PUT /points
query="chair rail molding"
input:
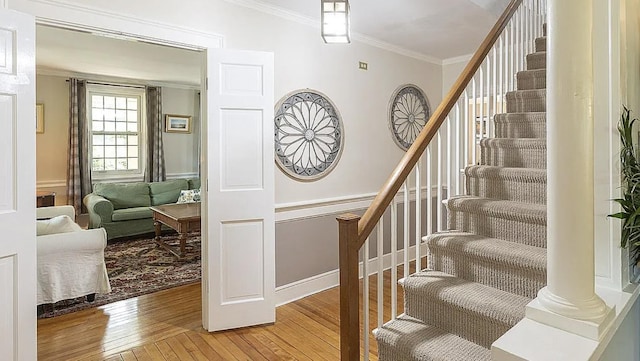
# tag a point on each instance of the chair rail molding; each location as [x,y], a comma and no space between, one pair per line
[55,183]
[294,211]
[74,15]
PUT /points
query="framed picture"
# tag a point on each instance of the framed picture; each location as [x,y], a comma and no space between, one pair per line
[177,123]
[39,118]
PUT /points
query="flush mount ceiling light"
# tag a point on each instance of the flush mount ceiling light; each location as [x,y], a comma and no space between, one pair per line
[335,21]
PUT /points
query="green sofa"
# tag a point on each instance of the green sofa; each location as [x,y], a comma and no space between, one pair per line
[122,209]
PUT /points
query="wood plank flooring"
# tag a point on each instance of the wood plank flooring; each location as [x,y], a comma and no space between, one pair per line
[167,326]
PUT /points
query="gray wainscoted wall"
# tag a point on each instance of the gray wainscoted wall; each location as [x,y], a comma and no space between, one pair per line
[308,247]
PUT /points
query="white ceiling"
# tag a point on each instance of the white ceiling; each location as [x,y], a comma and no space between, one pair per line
[65,51]
[434,29]
[438,29]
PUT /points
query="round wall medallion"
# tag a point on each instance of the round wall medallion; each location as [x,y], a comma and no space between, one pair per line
[408,114]
[308,134]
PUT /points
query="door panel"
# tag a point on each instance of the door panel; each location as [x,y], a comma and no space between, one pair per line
[240,228]
[17,187]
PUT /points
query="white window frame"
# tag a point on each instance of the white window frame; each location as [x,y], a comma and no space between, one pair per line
[127,91]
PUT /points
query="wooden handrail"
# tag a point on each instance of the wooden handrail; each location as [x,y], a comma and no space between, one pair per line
[413,154]
[353,230]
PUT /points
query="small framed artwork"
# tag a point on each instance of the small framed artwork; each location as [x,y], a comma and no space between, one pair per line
[39,118]
[177,123]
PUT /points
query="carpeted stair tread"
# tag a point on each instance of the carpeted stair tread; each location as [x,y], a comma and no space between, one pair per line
[532,100]
[514,152]
[537,60]
[409,339]
[529,213]
[508,220]
[527,185]
[509,266]
[532,79]
[521,125]
[541,43]
[471,310]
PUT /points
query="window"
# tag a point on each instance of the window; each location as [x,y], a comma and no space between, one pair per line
[115,115]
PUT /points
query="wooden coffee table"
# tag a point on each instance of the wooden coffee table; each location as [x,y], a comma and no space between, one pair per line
[184,218]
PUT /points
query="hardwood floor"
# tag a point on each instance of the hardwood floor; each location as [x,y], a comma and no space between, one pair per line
[167,326]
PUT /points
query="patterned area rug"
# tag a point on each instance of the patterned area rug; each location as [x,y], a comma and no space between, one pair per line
[136,266]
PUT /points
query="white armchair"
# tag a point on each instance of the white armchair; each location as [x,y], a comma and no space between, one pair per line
[70,264]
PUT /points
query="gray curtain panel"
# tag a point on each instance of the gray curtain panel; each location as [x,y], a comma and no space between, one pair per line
[78,167]
[154,169]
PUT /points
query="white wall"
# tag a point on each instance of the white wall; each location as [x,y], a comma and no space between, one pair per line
[302,60]
[52,145]
[181,151]
[450,72]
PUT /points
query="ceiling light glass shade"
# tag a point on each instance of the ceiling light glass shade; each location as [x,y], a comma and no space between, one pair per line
[335,21]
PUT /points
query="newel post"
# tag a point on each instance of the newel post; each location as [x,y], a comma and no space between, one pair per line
[349,288]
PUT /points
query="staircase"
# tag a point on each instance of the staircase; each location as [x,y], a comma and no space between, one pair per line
[483,271]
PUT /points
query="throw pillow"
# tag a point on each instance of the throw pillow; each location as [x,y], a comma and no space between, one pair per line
[189,196]
[59,224]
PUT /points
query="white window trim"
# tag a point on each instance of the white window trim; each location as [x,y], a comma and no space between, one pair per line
[121,175]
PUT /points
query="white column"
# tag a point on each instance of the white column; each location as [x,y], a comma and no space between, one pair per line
[570,287]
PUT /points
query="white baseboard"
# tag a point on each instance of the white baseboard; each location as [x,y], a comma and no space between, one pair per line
[300,289]
[306,287]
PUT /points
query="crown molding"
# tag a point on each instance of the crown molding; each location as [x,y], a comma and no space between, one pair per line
[44,10]
[304,20]
[41,70]
[457,59]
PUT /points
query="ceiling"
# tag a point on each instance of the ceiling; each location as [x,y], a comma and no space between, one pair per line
[65,52]
[439,29]
[433,29]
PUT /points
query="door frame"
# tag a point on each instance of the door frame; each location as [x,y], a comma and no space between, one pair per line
[83,18]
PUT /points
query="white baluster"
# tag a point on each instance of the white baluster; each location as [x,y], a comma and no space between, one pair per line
[380,276]
[473,119]
[439,190]
[482,108]
[405,206]
[365,297]
[394,261]
[418,220]
[458,136]
[429,190]
[494,91]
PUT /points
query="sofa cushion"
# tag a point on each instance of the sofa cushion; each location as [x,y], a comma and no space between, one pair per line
[194,183]
[59,224]
[167,191]
[124,195]
[131,213]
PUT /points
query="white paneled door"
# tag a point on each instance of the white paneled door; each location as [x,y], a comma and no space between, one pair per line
[17,187]
[240,223]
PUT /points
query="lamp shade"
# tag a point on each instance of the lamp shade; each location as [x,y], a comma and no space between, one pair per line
[335,21]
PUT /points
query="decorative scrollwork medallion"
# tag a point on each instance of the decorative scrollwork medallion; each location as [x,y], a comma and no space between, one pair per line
[408,114]
[308,135]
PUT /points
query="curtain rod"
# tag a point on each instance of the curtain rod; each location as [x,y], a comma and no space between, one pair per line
[114,84]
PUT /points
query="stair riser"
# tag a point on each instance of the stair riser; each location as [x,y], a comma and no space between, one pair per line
[519,104]
[524,282]
[529,80]
[514,157]
[467,325]
[521,130]
[541,44]
[537,61]
[495,227]
[507,189]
